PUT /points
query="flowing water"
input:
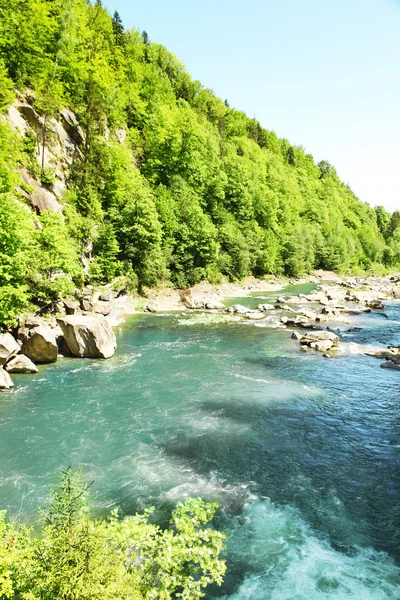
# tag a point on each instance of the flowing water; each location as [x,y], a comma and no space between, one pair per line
[301,452]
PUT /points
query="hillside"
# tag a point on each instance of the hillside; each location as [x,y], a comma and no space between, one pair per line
[113,161]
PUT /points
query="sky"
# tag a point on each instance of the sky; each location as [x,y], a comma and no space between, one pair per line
[323,74]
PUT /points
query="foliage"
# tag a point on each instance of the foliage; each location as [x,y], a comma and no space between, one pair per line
[167,181]
[76,557]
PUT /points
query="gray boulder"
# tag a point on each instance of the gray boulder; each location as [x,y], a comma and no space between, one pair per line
[88,336]
[5,380]
[9,347]
[21,364]
[41,345]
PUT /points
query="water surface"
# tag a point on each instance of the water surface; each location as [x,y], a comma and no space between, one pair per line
[301,452]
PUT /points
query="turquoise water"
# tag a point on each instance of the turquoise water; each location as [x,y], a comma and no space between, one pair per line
[301,452]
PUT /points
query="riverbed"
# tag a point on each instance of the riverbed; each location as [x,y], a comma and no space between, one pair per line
[301,452]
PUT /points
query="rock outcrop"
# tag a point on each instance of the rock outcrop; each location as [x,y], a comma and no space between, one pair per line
[88,336]
[9,347]
[5,380]
[21,364]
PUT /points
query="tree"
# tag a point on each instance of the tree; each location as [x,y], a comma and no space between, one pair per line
[76,557]
[145,37]
[118,29]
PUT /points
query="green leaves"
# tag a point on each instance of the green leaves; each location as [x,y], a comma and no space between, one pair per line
[76,557]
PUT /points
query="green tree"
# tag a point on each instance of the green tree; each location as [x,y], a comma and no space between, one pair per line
[76,557]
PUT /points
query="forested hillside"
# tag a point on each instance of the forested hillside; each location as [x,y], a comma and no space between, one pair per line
[166,181]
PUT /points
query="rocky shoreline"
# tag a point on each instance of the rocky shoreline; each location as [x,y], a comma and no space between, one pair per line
[84,328]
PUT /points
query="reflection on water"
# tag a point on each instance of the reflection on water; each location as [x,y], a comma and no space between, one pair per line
[302,453]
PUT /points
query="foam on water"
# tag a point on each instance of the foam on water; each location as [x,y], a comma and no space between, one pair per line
[289,561]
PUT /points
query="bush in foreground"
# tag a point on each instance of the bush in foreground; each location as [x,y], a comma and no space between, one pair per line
[76,557]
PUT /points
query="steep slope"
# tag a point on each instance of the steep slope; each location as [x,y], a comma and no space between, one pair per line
[139,170]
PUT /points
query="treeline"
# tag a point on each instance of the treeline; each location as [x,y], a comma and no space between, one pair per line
[170,183]
[72,556]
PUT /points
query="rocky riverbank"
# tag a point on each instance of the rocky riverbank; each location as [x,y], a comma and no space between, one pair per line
[83,327]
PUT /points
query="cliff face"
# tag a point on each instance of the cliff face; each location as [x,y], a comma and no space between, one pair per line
[57,143]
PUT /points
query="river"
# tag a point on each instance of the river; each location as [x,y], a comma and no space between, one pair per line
[302,453]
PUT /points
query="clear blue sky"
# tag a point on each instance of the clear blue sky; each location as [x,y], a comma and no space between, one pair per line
[324,74]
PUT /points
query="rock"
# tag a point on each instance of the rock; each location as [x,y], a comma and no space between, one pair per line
[255,315]
[106,296]
[394,349]
[88,336]
[381,353]
[41,345]
[87,305]
[281,300]
[9,347]
[321,345]
[230,309]
[327,355]
[40,198]
[296,335]
[21,364]
[72,127]
[102,308]
[215,305]
[357,312]
[320,340]
[297,322]
[70,306]
[390,365]
[5,380]
[375,304]
[151,307]
[311,316]
[265,307]
[240,309]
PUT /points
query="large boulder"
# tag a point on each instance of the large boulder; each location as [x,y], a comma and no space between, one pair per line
[21,364]
[88,336]
[5,380]
[9,347]
[41,345]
